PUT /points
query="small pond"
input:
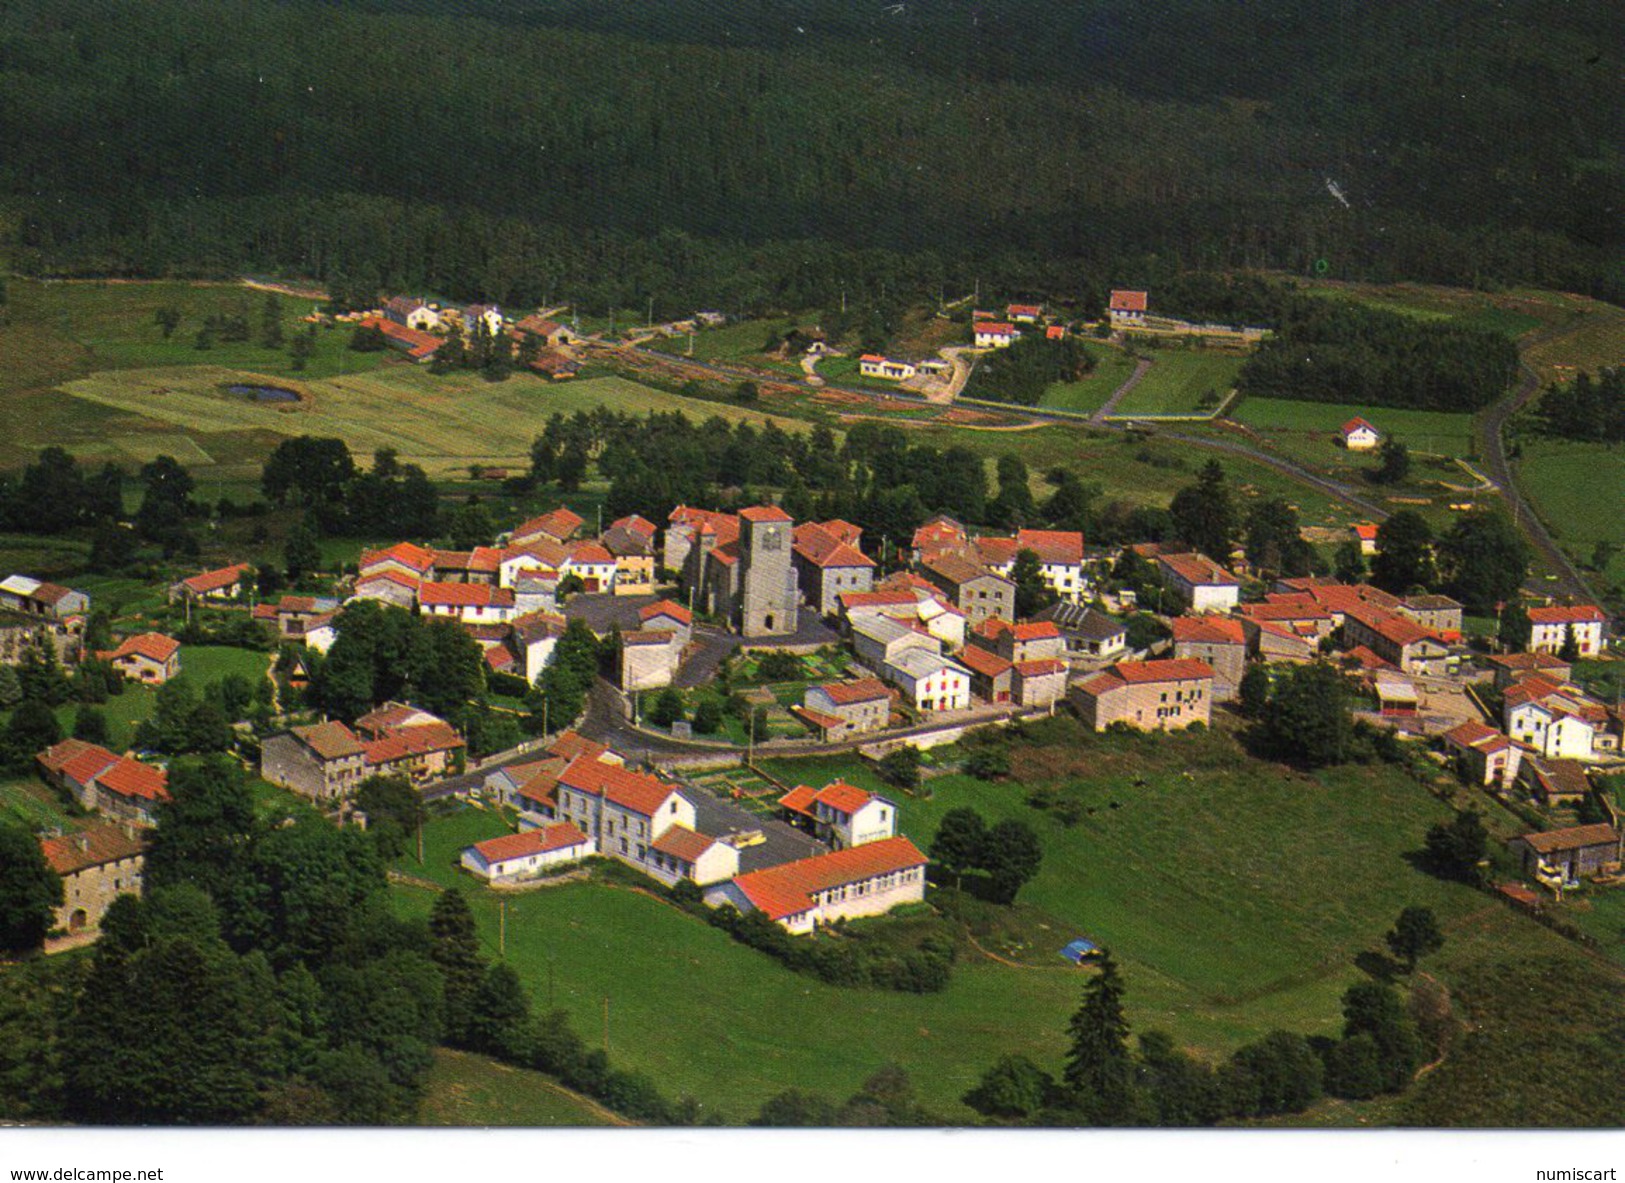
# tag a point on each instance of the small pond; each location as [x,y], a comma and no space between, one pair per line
[266,394]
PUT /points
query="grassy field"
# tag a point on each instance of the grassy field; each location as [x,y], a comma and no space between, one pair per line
[442,422]
[1236,895]
[1312,427]
[28,801]
[1178,379]
[1112,369]
[207,664]
[1579,511]
[470,1090]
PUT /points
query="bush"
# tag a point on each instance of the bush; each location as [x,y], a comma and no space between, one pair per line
[988,763]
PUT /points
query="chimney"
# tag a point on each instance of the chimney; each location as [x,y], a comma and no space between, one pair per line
[82,842]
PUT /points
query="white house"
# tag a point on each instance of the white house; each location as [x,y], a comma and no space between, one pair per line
[527,854]
[592,564]
[1126,309]
[1549,628]
[1560,723]
[1359,436]
[873,365]
[930,681]
[471,603]
[866,880]
[841,814]
[995,334]
[879,639]
[1201,583]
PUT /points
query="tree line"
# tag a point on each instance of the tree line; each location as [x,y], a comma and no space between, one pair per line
[729,183]
[1588,409]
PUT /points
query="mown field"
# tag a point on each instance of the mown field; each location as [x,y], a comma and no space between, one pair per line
[443,422]
[1179,379]
[1578,489]
[1236,895]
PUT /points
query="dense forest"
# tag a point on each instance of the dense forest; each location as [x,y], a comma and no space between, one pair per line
[766,154]
[1589,409]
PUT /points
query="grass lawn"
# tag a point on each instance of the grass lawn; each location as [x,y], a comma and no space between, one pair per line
[1178,379]
[469,1090]
[1112,369]
[1447,433]
[844,371]
[207,664]
[1579,512]
[737,342]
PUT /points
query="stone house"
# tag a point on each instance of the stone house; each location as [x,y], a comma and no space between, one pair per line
[828,563]
[1089,634]
[842,709]
[975,591]
[1146,695]
[649,658]
[97,865]
[1483,756]
[992,677]
[1567,855]
[1398,640]
[930,681]
[148,658]
[223,585]
[1221,642]
[1199,583]
[1040,682]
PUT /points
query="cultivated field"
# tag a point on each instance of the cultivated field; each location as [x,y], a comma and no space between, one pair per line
[442,422]
[1112,369]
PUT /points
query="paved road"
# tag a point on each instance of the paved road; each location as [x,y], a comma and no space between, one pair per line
[1109,407]
[715,647]
[1492,447]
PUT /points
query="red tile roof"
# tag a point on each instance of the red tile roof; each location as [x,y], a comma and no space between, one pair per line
[412,741]
[59,756]
[557,836]
[557,523]
[939,533]
[407,554]
[330,741]
[1550,841]
[1473,734]
[465,595]
[87,766]
[847,693]
[877,599]
[1040,667]
[152,646]
[1366,659]
[800,799]
[217,580]
[1126,301]
[648,636]
[846,798]
[1198,570]
[635,524]
[683,843]
[1570,614]
[818,719]
[636,791]
[724,525]
[764,513]
[131,778]
[996,552]
[995,328]
[572,744]
[1401,630]
[1212,630]
[93,846]
[1355,424]
[823,549]
[1060,547]
[787,889]
[983,661]
[1177,670]
[584,554]
[1366,531]
[958,571]
[1015,310]
[419,344]
[669,608]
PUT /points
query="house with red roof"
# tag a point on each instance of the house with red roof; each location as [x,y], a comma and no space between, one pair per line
[1398,640]
[1127,309]
[1038,681]
[875,365]
[117,786]
[1221,642]
[641,820]
[1358,435]
[1365,535]
[1561,722]
[591,563]
[149,658]
[556,525]
[220,586]
[867,880]
[1551,627]
[418,345]
[471,603]
[840,814]
[634,553]
[529,854]
[970,587]
[828,564]
[1482,754]
[404,558]
[995,334]
[1559,858]
[412,312]
[97,864]
[1200,583]
[1146,695]
[939,535]
[650,658]
[551,333]
[1019,642]
[838,710]
[327,761]
[1024,314]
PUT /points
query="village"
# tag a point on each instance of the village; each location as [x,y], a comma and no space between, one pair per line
[971,630]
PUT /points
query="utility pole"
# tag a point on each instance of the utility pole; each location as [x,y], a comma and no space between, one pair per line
[651,312]
[420,839]
[502,928]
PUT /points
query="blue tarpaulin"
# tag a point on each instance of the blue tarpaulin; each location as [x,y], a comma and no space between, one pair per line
[1079,951]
